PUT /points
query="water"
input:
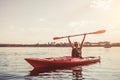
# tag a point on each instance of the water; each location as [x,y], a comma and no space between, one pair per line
[14,67]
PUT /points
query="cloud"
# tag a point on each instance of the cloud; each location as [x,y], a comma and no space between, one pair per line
[101,4]
[41,19]
[81,23]
[73,24]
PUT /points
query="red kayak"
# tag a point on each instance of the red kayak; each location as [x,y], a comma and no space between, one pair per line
[61,62]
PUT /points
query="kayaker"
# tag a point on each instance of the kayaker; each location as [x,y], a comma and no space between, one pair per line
[76,47]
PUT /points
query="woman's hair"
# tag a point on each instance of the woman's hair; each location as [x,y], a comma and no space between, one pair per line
[75,43]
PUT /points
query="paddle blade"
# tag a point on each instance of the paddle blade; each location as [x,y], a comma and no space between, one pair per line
[98,32]
[55,38]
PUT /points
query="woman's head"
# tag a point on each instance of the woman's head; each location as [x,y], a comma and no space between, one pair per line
[76,44]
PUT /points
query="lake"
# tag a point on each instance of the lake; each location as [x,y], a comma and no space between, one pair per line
[14,67]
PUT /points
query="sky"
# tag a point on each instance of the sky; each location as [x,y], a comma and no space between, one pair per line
[38,21]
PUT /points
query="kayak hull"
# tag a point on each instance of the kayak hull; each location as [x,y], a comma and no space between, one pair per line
[61,62]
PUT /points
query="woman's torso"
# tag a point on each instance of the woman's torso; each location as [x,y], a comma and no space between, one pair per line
[76,52]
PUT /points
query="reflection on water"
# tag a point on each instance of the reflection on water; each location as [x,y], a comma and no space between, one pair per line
[36,71]
[76,72]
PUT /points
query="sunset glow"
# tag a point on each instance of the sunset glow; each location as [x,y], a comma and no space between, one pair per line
[24,21]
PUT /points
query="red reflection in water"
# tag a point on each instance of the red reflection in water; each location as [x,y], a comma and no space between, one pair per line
[76,72]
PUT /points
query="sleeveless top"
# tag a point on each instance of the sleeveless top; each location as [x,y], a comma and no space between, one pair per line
[76,53]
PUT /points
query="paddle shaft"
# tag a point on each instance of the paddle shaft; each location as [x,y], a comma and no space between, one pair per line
[97,32]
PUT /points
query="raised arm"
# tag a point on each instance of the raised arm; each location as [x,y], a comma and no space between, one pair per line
[70,42]
[81,45]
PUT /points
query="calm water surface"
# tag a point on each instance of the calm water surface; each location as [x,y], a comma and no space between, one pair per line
[14,67]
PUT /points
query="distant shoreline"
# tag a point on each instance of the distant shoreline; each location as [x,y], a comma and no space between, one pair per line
[86,44]
[56,46]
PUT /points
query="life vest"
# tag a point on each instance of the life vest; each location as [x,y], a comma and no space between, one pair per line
[76,52]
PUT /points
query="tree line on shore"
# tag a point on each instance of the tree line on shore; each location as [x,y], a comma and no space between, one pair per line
[53,44]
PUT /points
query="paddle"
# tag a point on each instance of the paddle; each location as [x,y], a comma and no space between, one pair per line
[96,32]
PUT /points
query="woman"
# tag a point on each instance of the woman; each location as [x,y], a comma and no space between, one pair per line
[77,48]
